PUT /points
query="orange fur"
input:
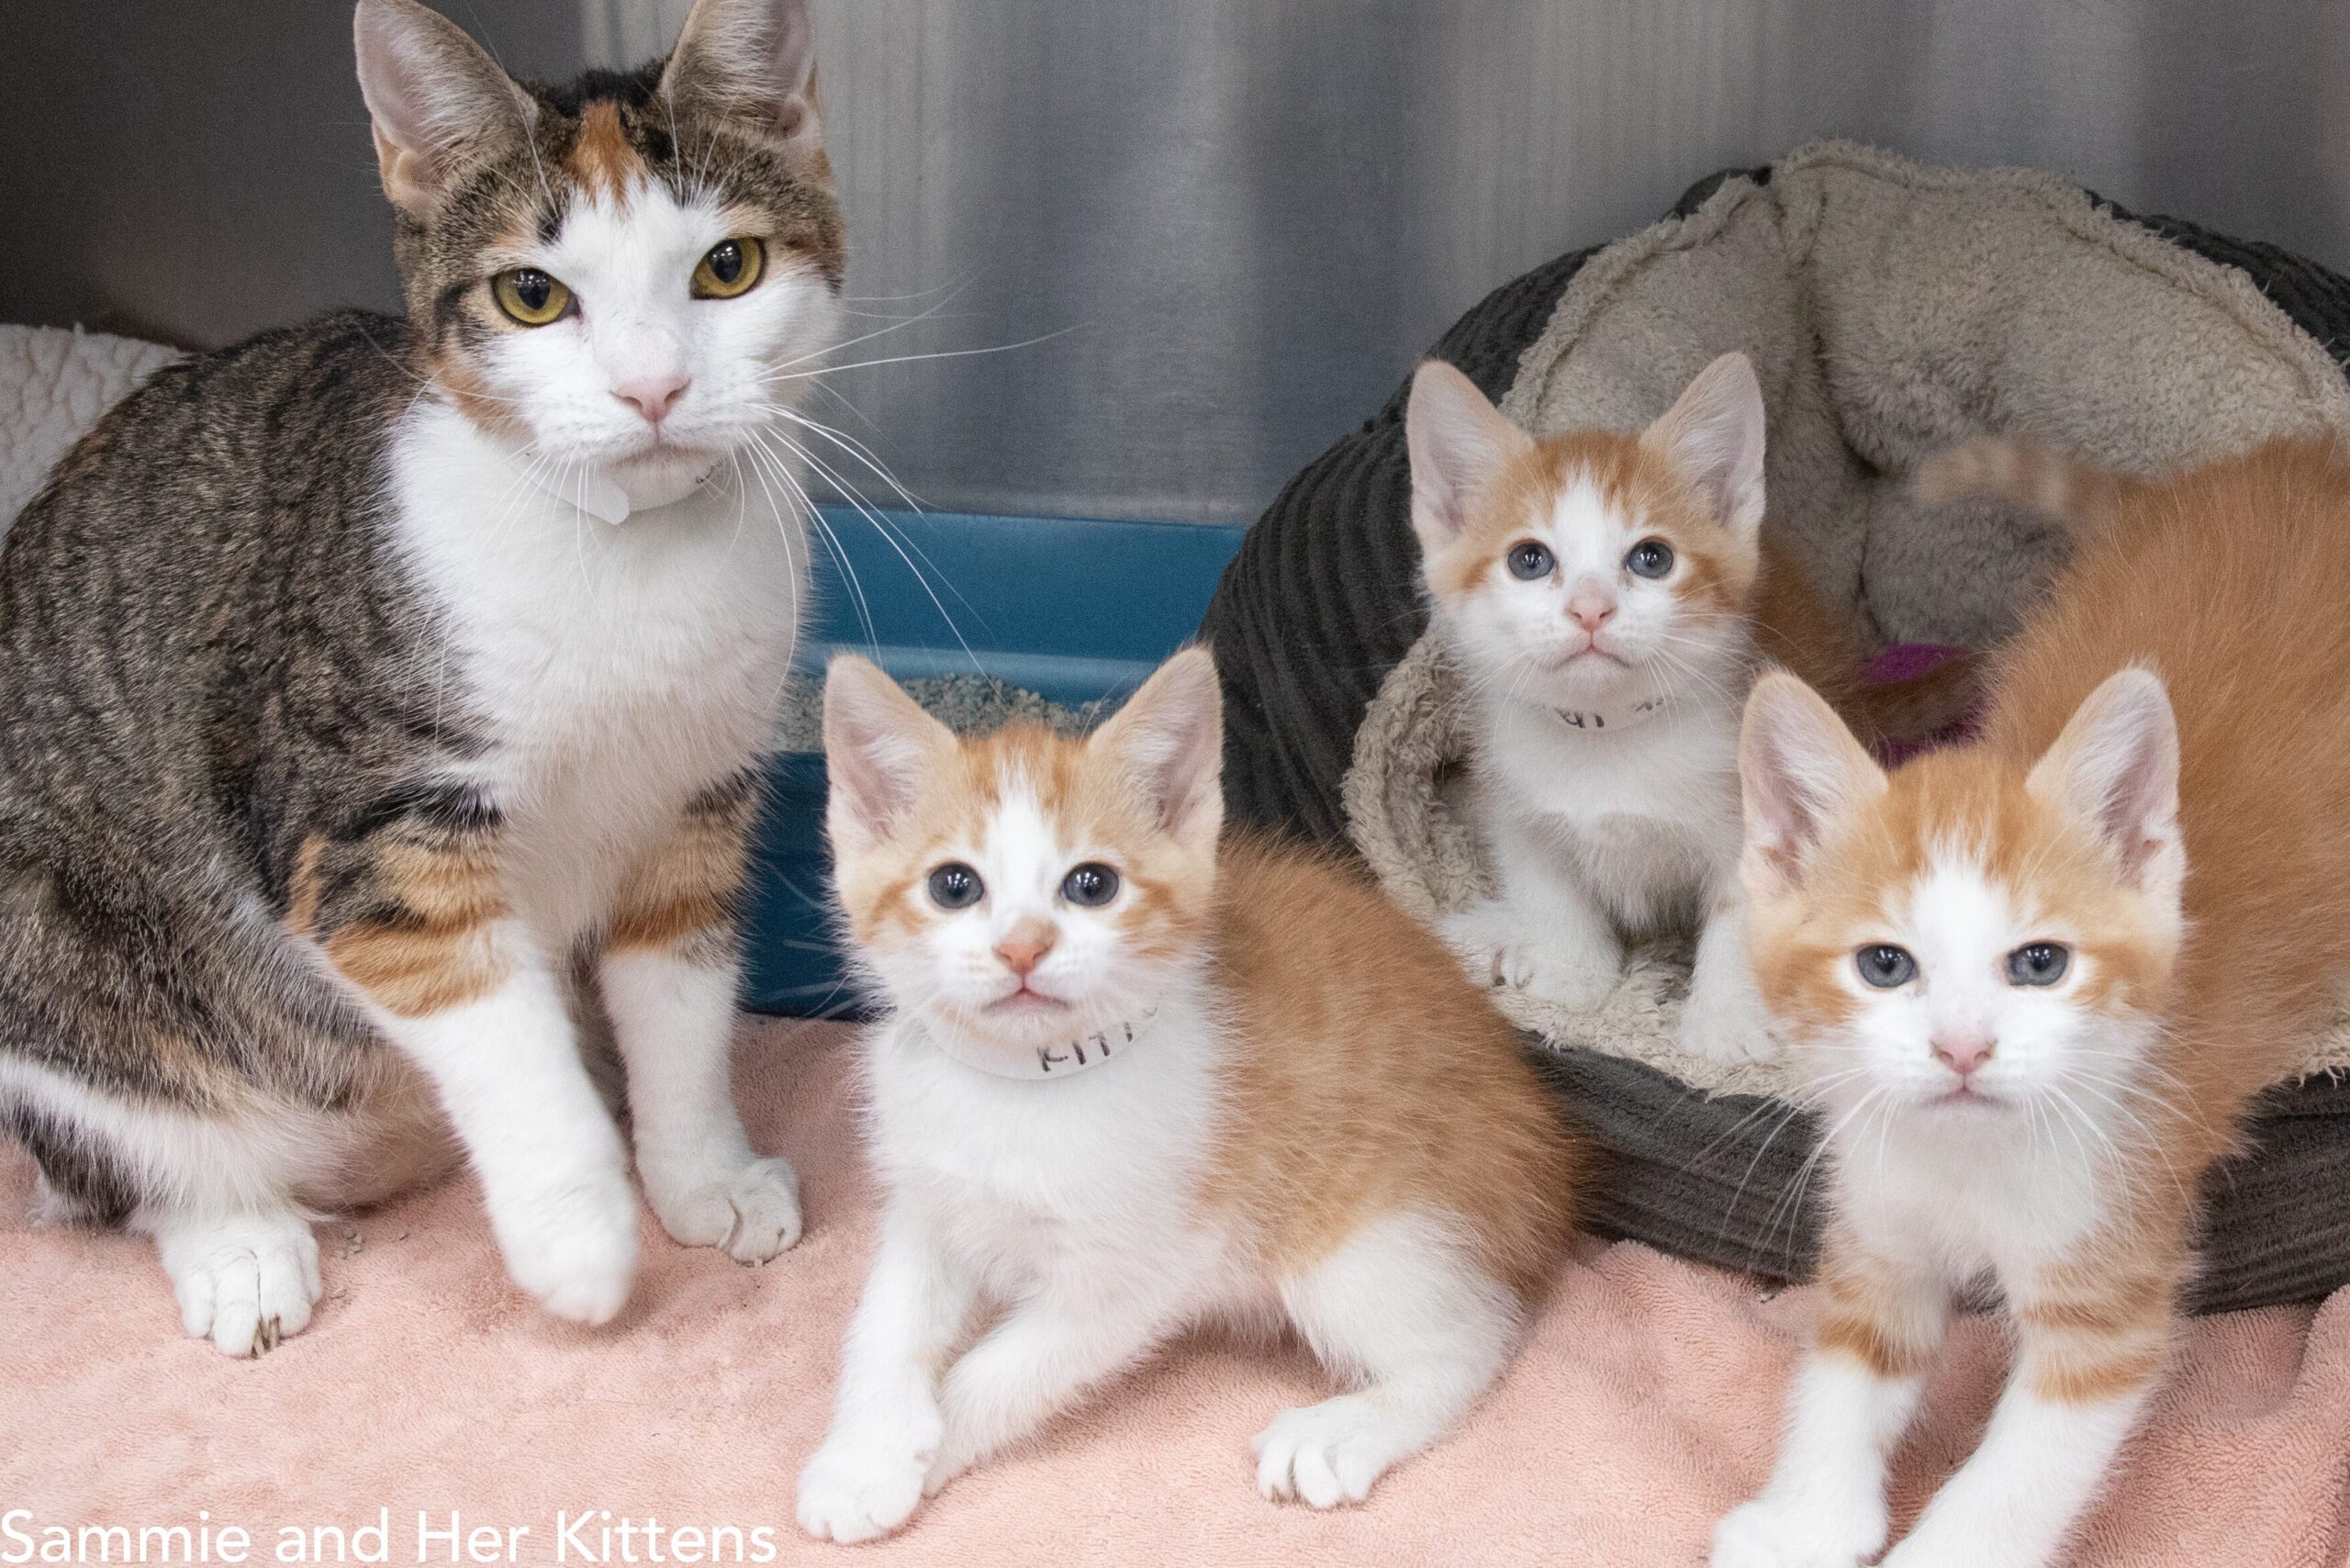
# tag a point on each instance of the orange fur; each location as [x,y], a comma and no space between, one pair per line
[1794,628]
[1369,1076]
[1374,1078]
[2229,581]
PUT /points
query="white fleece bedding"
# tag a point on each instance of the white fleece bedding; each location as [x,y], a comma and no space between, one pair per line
[54,383]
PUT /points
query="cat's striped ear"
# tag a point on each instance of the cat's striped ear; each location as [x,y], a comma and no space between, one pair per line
[751,60]
[878,745]
[437,99]
[1169,742]
[1460,444]
[2115,768]
[1713,437]
[1800,772]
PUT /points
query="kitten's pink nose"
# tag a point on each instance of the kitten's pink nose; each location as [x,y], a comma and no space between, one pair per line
[1964,1053]
[1026,947]
[654,396]
[1591,607]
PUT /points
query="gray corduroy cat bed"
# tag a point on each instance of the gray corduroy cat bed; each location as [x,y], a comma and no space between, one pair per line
[1890,309]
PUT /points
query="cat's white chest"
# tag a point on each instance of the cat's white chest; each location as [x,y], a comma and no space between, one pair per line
[1968,1198]
[1100,1172]
[1647,816]
[620,669]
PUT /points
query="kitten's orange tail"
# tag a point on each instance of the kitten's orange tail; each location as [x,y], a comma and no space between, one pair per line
[2029,472]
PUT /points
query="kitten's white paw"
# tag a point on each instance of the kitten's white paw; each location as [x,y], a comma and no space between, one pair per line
[572,1245]
[750,1217]
[245,1282]
[1327,1454]
[1502,953]
[850,1492]
[1726,1024]
[1768,1534]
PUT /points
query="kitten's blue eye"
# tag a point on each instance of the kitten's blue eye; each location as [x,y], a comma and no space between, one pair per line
[1091,886]
[1885,966]
[1530,560]
[1650,558]
[954,886]
[2039,963]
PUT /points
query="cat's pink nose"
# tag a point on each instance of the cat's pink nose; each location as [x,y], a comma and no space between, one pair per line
[654,396]
[1026,947]
[1590,608]
[1964,1053]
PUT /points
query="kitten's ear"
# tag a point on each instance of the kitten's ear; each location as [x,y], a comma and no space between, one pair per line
[749,60]
[1169,739]
[1799,769]
[877,746]
[437,99]
[2116,767]
[1714,436]
[1459,444]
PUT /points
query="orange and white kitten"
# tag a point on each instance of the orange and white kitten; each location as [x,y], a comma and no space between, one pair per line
[1134,1080]
[1608,598]
[2034,979]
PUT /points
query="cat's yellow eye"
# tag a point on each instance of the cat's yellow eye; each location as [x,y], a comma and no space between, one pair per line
[530,295]
[732,268]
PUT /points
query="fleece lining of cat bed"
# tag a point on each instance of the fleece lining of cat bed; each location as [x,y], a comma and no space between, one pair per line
[1890,309]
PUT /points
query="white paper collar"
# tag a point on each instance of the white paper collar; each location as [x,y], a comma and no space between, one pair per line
[1065,1059]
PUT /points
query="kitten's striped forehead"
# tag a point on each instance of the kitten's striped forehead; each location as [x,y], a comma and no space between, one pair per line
[1958,856]
[1586,493]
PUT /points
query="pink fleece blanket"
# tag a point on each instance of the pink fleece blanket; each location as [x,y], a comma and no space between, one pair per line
[1646,1402]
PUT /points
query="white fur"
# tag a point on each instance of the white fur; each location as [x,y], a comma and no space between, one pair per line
[1071,1207]
[2005,1185]
[620,671]
[1627,819]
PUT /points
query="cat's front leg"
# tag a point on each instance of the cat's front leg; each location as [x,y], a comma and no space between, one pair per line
[412,913]
[670,976]
[1043,1356]
[1824,1506]
[2088,1352]
[1545,934]
[1724,1018]
[867,1478]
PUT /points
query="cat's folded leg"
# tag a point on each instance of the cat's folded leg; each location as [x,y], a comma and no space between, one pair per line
[1545,934]
[1724,1018]
[411,909]
[867,1478]
[1045,1352]
[2089,1356]
[1403,1306]
[554,1174]
[1853,1395]
[670,976]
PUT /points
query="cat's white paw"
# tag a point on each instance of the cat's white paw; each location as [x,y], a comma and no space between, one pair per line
[751,1216]
[1771,1534]
[1727,1023]
[1327,1454]
[1500,953]
[573,1245]
[850,1492]
[244,1281]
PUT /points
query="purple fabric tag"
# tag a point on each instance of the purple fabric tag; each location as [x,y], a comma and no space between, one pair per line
[1907,661]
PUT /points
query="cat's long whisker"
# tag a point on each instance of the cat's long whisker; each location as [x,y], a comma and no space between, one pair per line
[887,536]
[913,358]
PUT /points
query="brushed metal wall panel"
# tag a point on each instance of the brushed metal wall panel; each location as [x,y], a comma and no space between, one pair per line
[1240,218]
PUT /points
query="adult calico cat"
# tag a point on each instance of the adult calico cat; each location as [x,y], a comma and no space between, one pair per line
[366,680]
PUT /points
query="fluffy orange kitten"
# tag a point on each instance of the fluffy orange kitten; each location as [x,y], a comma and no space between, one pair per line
[2035,979]
[1136,1079]
[1608,598]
